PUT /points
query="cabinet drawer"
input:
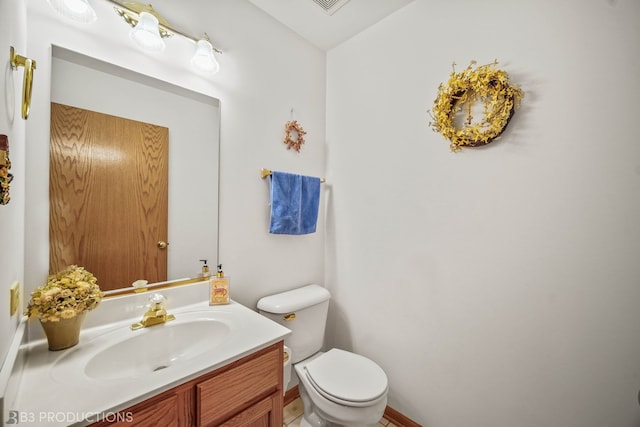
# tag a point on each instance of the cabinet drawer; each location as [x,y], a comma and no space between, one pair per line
[237,388]
[259,415]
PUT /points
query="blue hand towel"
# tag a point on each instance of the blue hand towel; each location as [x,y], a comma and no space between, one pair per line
[294,203]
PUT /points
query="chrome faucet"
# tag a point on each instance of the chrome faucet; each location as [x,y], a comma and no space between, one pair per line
[156,313]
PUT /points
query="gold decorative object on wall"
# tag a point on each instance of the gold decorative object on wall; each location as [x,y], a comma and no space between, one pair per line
[486,84]
[5,166]
[294,135]
[27,81]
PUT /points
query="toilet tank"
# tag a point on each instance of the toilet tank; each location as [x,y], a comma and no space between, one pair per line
[304,312]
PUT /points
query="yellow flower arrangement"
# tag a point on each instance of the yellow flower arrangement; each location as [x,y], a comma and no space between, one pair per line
[485,83]
[67,294]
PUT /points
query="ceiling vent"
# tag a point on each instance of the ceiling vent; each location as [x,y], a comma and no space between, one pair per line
[330,6]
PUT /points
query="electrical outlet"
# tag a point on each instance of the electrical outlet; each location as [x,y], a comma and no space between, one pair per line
[14,299]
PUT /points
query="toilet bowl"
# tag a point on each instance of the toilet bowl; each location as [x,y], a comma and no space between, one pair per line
[343,388]
[337,387]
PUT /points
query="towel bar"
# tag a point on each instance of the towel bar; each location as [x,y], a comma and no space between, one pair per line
[266,172]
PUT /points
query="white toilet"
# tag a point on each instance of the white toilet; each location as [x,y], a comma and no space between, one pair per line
[337,387]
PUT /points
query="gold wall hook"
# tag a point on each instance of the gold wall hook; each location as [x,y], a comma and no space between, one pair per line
[27,81]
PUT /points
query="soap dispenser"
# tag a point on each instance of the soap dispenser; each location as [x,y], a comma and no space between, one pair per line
[219,288]
[205,269]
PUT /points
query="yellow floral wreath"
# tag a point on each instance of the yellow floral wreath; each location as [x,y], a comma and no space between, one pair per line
[486,84]
[290,128]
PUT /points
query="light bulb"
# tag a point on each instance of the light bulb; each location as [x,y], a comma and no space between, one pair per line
[77,10]
[146,33]
[203,59]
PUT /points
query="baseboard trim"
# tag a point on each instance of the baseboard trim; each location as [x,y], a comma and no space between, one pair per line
[291,395]
[399,419]
[390,414]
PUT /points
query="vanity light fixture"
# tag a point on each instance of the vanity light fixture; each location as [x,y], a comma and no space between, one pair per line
[149,28]
[77,10]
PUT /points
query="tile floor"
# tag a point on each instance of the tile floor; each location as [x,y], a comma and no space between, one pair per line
[293,415]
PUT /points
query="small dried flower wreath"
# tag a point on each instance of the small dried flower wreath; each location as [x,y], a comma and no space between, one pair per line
[5,181]
[485,83]
[294,135]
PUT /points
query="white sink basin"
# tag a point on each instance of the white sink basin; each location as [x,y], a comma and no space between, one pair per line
[127,354]
[155,348]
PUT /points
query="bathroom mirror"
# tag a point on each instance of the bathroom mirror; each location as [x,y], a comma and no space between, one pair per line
[193,122]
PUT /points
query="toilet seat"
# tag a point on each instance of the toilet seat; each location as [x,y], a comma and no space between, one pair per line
[346,378]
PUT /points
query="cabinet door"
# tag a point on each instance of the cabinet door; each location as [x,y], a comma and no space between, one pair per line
[262,414]
[240,387]
[175,407]
[161,414]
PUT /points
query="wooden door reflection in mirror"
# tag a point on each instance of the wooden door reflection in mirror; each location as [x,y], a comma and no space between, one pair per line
[108,196]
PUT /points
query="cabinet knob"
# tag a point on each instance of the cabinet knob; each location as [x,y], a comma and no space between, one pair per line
[162,245]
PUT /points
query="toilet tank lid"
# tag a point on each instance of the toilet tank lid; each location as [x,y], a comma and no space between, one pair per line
[296,299]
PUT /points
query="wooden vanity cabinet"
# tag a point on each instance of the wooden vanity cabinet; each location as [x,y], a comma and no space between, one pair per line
[247,393]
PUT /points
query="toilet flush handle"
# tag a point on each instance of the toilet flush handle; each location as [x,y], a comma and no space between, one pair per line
[289,317]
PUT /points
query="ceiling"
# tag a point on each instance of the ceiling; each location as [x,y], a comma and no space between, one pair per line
[345,19]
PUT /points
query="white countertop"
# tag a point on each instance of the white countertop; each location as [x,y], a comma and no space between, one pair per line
[64,396]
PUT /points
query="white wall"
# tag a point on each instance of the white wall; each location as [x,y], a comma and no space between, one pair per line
[499,286]
[265,71]
[12,33]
